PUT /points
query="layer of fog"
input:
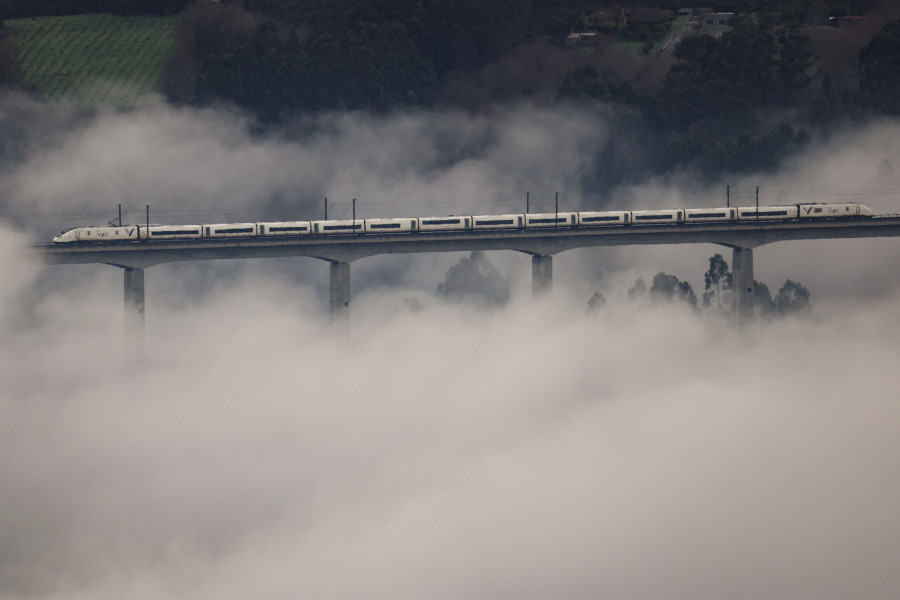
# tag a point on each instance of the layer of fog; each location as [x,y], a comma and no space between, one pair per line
[192,164]
[439,451]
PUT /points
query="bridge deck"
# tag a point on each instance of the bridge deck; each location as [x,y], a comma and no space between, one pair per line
[543,242]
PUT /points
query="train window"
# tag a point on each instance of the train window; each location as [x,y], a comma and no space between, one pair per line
[284,229]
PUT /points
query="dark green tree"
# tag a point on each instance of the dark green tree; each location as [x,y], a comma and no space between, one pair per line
[10,73]
[384,68]
[668,288]
[372,66]
[715,278]
[717,100]
[792,298]
[254,75]
[457,35]
[475,279]
[829,107]
[762,302]
[725,76]
[587,84]
[596,302]
[638,291]
[879,70]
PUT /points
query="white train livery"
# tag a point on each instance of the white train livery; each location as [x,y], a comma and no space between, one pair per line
[567,220]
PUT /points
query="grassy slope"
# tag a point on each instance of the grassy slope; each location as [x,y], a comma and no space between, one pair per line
[93,59]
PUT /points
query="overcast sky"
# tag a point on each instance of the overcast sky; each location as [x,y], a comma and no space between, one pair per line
[438,451]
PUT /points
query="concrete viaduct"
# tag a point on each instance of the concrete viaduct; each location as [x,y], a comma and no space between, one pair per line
[541,244]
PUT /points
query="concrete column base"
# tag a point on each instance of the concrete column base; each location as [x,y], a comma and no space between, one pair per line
[541,274]
[339,293]
[134,306]
[742,284]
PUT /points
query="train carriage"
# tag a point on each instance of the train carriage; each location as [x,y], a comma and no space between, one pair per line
[604,218]
[498,222]
[285,228]
[563,219]
[230,230]
[338,227]
[451,223]
[401,225]
[715,215]
[654,217]
[767,213]
[171,232]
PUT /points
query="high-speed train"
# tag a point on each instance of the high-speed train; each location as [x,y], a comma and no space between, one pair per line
[611,218]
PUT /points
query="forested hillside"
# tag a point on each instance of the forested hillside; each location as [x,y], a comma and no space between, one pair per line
[739,98]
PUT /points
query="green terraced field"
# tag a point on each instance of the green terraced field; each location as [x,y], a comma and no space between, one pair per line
[93,59]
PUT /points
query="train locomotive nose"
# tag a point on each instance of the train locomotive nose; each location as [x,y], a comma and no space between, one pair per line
[66,236]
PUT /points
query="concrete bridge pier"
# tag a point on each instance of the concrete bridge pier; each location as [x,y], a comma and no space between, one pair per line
[742,280]
[134,306]
[541,274]
[339,293]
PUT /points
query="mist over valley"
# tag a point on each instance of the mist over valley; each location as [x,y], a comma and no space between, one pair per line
[463,438]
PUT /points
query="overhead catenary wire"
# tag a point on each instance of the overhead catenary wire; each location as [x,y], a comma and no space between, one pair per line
[538,202]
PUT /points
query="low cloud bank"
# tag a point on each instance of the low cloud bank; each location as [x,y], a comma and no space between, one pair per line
[440,451]
[196,165]
[447,452]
